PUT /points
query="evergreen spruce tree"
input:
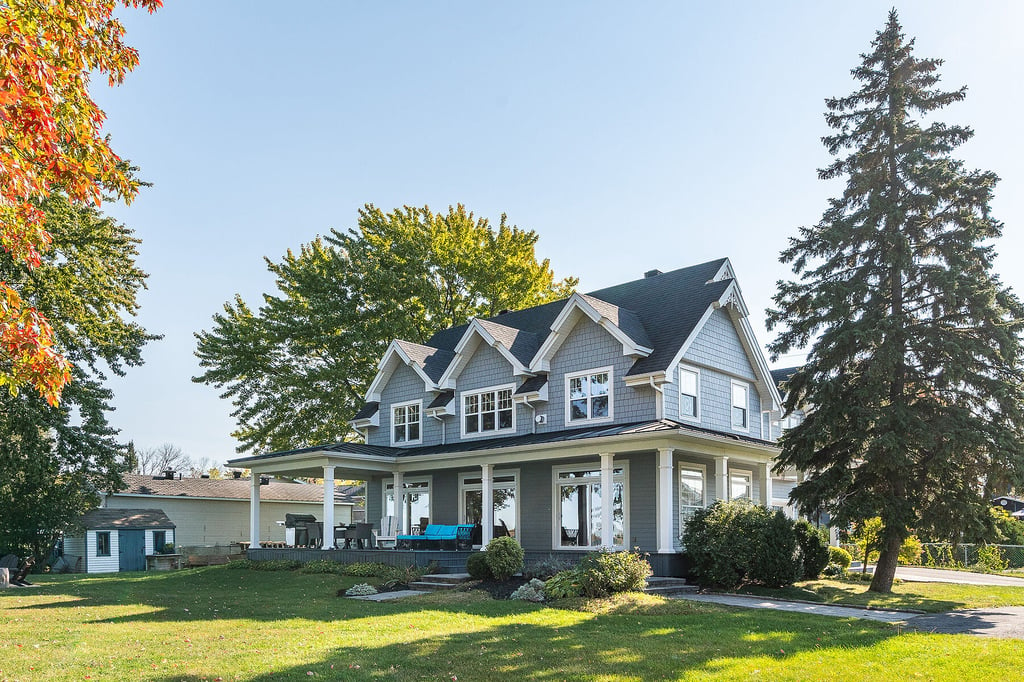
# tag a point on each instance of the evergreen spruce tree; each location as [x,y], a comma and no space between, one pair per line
[915,369]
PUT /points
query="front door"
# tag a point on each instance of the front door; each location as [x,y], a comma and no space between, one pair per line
[131,550]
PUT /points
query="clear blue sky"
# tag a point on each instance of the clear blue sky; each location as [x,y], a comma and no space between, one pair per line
[630,136]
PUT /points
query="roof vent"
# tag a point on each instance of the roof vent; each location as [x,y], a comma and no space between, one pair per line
[264,480]
[204,475]
[169,474]
[504,312]
[651,273]
[236,474]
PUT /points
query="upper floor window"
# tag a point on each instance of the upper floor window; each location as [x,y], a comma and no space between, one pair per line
[588,395]
[689,393]
[490,411]
[406,423]
[103,543]
[740,406]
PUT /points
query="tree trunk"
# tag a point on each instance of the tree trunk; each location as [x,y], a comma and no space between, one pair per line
[885,569]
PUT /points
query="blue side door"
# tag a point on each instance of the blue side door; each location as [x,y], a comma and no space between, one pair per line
[131,550]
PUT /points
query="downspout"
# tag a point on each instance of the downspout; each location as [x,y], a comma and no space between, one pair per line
[440,419]
[533,416]
[659,406]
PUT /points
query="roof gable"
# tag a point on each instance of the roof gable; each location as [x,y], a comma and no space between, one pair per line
[100,519]
[428,362]
[517,346]
[224,489]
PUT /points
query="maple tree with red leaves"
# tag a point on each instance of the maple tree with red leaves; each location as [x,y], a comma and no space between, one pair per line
[51,140]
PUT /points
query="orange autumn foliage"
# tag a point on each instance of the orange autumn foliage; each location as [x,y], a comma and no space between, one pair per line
[51,140]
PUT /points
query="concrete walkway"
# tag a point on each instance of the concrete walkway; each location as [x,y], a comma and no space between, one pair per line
[881,615]
[1007,621]
[916,574]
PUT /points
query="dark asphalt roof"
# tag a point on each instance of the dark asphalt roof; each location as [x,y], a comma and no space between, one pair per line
[474,445]
[367,410]
[433,360]
[533,384]
[522,344]
[230,489]
[441,400]
[126,518]
[658,312]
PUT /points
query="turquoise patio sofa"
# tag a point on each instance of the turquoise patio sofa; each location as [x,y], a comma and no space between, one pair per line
[437,536]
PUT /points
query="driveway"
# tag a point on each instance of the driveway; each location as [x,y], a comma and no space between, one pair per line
[916,574]
[1005,621]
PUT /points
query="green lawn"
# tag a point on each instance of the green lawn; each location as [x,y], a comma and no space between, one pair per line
[930,597]
[215,623]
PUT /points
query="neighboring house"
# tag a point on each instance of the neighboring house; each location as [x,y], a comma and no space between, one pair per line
[115,540]
[602,420]
[215,512]
[785,483]
[1013,505]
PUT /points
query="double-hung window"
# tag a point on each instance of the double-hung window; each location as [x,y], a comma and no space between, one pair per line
[588,395]
[406,423]
[741,485]
[490,411]
[740,406]
[689,393]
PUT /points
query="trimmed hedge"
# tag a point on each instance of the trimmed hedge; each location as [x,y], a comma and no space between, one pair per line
[504,557]
[476,566]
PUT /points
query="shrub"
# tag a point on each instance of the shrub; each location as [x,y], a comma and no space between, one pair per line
[941,556]
[910,551]
[564,585]
[730,543]
[814,549]
[545,568]
[236,564]
[531,591]
[365,569]
[604,573]
[834,571]
[840,557]
[393,576]
[323,566]
[990,558]
[275,565]
[476,566]
[504,557]
[361,590]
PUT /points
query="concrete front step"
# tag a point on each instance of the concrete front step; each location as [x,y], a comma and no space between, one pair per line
[440,581]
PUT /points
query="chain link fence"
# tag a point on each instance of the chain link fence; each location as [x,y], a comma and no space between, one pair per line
[948,555]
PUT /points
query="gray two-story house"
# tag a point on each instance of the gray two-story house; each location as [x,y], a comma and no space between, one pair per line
[602,420]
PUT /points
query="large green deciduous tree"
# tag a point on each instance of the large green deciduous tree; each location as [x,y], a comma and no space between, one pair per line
[296,369]
[55,459]
[915,369]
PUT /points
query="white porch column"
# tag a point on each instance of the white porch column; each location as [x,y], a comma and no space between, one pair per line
[400,503]
[254,511]
[664,501]
[766,485]
[607,477]
[328,507]
[487,503]
[721,478]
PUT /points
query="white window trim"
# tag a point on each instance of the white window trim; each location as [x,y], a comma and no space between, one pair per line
[687,466]
[461,409]
[110,543]
[611,396]
[463,487]
[746,473]
[391,426]
[429,480]
[679,404]
[746,387]
[556,503]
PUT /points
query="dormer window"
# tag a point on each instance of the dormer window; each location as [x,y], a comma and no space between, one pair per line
[488,412]
[588,396]
[406,423]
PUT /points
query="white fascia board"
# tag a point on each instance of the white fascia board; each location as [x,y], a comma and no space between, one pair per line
[446,410]
[724,272]
[573,309]
[386,367]
[464,351]
[636,380]
[369,421]
[733,295]
[760,364]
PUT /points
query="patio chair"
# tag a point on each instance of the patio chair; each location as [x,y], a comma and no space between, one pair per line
[386,536]
[501,530]
[316,536]
[361,532]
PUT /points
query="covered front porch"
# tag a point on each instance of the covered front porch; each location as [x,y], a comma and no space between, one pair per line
[622,488]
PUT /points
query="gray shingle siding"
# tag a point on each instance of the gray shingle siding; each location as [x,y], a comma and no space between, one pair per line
[405,384]
[718,345]
[486,368]
[589,346]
